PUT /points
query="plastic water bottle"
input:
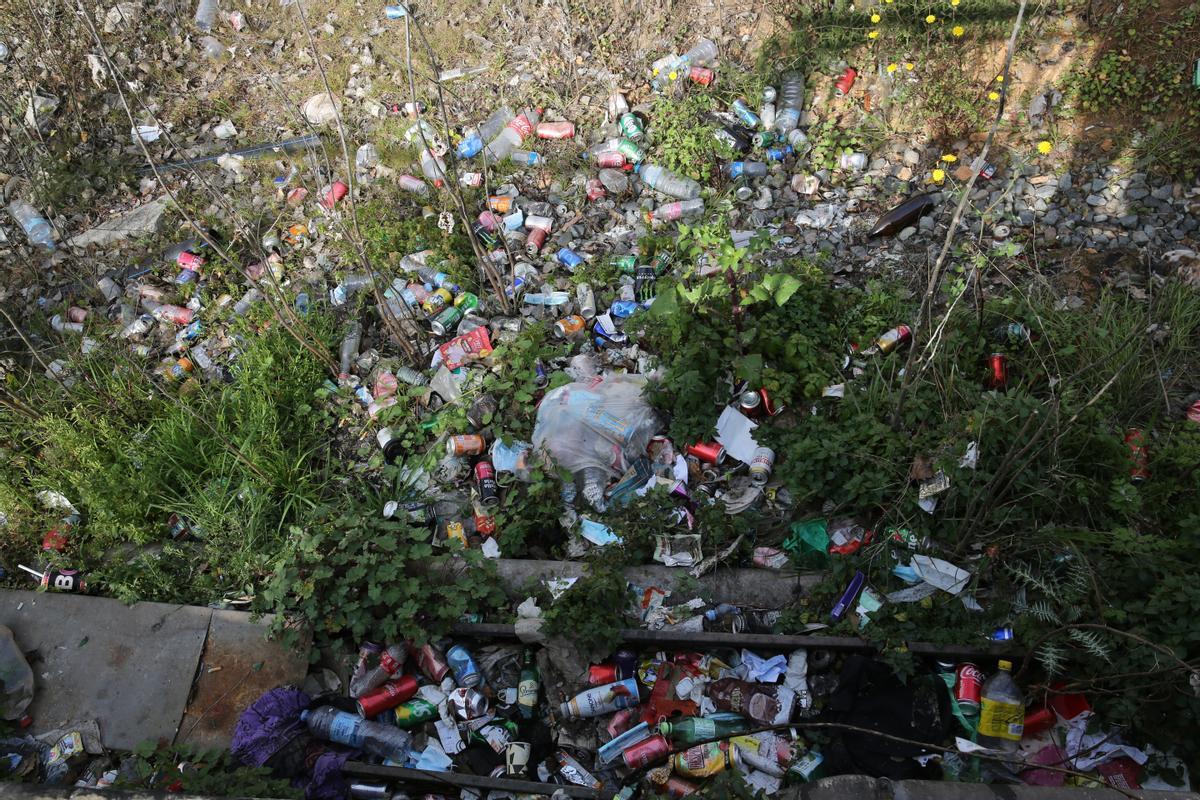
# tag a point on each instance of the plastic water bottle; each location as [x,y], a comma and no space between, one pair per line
[349,349]
[526,158]
[433,168]
[747,169]
[390,662]
[472,143]
[1001,711]
[677,210]
[701,55]
[663,180]
[206,14]
[511,136]
[36,228]
[547,298]
[791,102]
[376,738]
[411,184]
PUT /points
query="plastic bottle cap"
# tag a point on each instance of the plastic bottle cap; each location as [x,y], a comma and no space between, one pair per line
[1004,665]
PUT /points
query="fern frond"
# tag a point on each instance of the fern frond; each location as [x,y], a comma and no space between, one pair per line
[1092,642]
[1052,658]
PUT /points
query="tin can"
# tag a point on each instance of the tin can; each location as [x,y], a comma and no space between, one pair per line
[987,171]
[703,760]
[676,787]
[602,674]
[178,527]
[761,464]
[707,452]
[968,687]
[843,84]
[555,130]
[388,696]
[778,152]
[569,327]
[903,537]
[610,160]
[626,264]
[390,444]
[336,191]
[594,189]
[186,259]
[647,752]
[489,221]
[750,404]
[534,241]
[466,301]
[700,75]
[630,126]
[445,320]
[430,661]
[500,203]
[455,531]
[472,179]
[485,523]
[585,299]
[462,664]
[465,444]
[1002,634]
[1196,74]
[1013,333]
[1139,469]
[765,139]
[484,235]
[901,334]
[485,484]
[568,258]
[631,151]
[436,300]
[743,112]
[998,365]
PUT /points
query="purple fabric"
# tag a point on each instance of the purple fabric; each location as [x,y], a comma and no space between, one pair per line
[268,725]
[327,782]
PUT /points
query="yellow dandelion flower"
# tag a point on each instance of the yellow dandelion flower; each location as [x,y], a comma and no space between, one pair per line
[932,18]
[892,68]
[938,175]
[910,66]
[955,3]
[957,30]
[1045,147]
[993,96]
[999,79]
[873,35]
[949,158]
[875,18]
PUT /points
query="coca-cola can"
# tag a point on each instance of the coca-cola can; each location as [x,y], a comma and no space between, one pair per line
[555,130]
[647,752]
[610,159]
[390,695]
[602,674]
[430,661]
[843,84]
[595,190]
[485,484]
[707,452]
[998,366]
[968,686]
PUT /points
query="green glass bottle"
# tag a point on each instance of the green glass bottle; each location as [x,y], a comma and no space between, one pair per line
[527,687]
[700,729]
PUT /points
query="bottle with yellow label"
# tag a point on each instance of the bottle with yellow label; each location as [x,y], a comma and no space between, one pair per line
[1001,711]
[703,760]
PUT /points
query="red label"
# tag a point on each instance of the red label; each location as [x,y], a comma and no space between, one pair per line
[521,125]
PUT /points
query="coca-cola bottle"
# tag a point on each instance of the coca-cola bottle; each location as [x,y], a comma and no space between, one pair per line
[390,662]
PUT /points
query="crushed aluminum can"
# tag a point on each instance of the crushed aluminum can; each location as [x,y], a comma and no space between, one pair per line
[574,772]
[467,704]
[1002,634]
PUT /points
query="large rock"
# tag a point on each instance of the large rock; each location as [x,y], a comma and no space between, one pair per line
[140,221]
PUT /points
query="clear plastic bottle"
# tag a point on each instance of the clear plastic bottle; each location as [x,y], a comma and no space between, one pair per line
[703,53]
[36,228]
[350,284]
[614,180]
[433,168]
[248,299]
[390,662]
[677,210]
[349,349]
[376,738]
[511,136]
[1001,711]
[791,103]
[526,158]
[747,169]
[472,143]
[411,184]
[663,180]
[206,14]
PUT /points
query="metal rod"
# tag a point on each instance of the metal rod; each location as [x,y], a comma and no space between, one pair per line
[762,641]
[462,780]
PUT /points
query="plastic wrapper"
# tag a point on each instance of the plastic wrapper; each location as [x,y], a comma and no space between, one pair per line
[601,424]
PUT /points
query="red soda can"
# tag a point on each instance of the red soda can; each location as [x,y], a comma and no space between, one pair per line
[595,190]
[485,484]
[534,241]
[846,82]
[430,661]
[998,364]
[623,720]
[708,452]
[465,444]
[968,686]
[555,130]
[190,261]
[602,674]
[1135,439]
[768,405]
[676,787]
[700,75]
[647,752]
[336,191]
[390,695]
[610,159]
[485,523]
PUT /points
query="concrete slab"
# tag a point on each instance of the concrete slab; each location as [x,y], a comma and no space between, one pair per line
[237,666]
[128,667]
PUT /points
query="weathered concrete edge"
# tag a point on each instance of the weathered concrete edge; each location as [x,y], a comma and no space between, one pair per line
[841,787]
[757,588]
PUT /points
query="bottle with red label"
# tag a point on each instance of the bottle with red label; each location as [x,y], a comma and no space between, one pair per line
[390,662]
[520,127]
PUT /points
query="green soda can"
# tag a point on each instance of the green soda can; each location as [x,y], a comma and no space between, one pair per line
[467,301]
[662,262]
[765,139]
[446,319]
[631,151]
[626,264]
[414,713]
[630,126]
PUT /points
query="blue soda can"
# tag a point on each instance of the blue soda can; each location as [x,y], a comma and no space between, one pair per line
[514,288]
[623,309]
[1003,634]
[568,258]
[748,117]
[466,671]
[779,152]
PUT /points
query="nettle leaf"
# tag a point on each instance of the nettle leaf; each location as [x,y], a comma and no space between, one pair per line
[787,287]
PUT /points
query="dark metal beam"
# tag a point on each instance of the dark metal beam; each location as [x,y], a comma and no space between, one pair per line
[462,780]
